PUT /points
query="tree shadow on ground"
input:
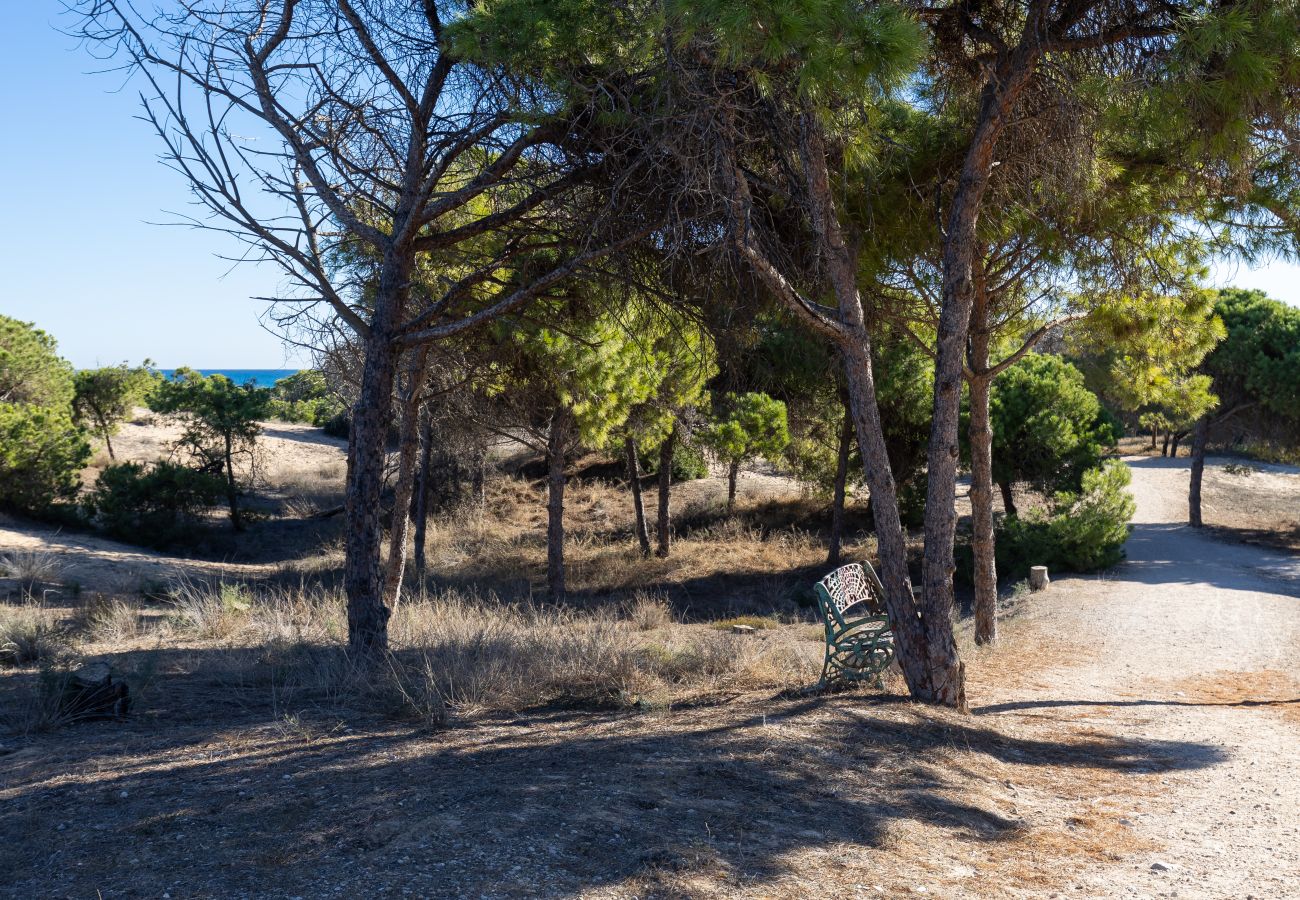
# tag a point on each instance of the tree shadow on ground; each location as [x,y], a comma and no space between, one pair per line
[995,708]
[549,802]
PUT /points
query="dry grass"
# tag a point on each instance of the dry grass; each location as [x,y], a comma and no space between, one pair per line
[751,563]
[33,569]
[282,652]
[29,635]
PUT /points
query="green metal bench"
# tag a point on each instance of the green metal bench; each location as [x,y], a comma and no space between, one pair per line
[859,646]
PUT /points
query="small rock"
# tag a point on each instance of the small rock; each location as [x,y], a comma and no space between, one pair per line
[1159,867]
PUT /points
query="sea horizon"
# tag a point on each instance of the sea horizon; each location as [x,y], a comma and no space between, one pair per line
[263,378]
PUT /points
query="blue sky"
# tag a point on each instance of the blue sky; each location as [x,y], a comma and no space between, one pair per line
[82,183]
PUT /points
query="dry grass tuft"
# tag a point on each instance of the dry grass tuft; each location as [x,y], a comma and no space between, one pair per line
[109,619]
[29,635]
[33,569]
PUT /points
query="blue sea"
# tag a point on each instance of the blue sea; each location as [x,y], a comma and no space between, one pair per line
[259,377]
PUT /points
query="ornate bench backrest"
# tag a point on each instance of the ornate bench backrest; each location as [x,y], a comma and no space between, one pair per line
[848,586]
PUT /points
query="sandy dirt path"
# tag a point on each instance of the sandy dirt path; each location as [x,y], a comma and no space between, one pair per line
[1197,642]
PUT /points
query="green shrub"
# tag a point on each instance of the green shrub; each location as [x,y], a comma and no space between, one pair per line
[154,505]
[41,455]
[338,425]
[689,463]
[304,397]
[1080,532]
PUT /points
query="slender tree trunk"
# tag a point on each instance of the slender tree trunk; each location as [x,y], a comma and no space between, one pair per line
[841,484]
[422,494]
[1178,439]
[232,489]
[1199,439]
[1164,449]
[108,443]
[1154,438]
[638,507]
[663,529]
[733,472]
[408,449]
[556,448]
[1008,498]
[981,496]
[367,439]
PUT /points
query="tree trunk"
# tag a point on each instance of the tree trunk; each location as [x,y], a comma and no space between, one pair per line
[408,448]
[422,494]
[1154,438]
[928,677]
[1008,498]
[638,507]
[556,447]
[1178,439]
[232,489]
[960,246]
[981,498]
[1164,449]
[1199,439]
[841,485]
[367,442]
[108,443]
[733,472]
[663,526]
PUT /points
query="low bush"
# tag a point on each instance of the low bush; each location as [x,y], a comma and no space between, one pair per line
[689,463]
[157,505]
[1080,532]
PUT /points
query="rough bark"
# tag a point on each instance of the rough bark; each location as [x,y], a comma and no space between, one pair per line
[841,485]
[556,449]
[362,575]
[1008,497]
[733,473]
[1199,439]
[638,506]
[422,488]
[663,524]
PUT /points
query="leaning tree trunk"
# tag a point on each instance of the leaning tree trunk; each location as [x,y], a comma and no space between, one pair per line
[422,488]
[408,449]
[911,635]
[108,443]
[638,505]
[362,573]
[841,485]
[1199,439]
[733,472]
[556,446]
[663,526]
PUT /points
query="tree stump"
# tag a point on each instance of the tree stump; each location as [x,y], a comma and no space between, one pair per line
[91,692]
[1038,579]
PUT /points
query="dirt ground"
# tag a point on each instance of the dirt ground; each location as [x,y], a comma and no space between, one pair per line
[1132,736]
